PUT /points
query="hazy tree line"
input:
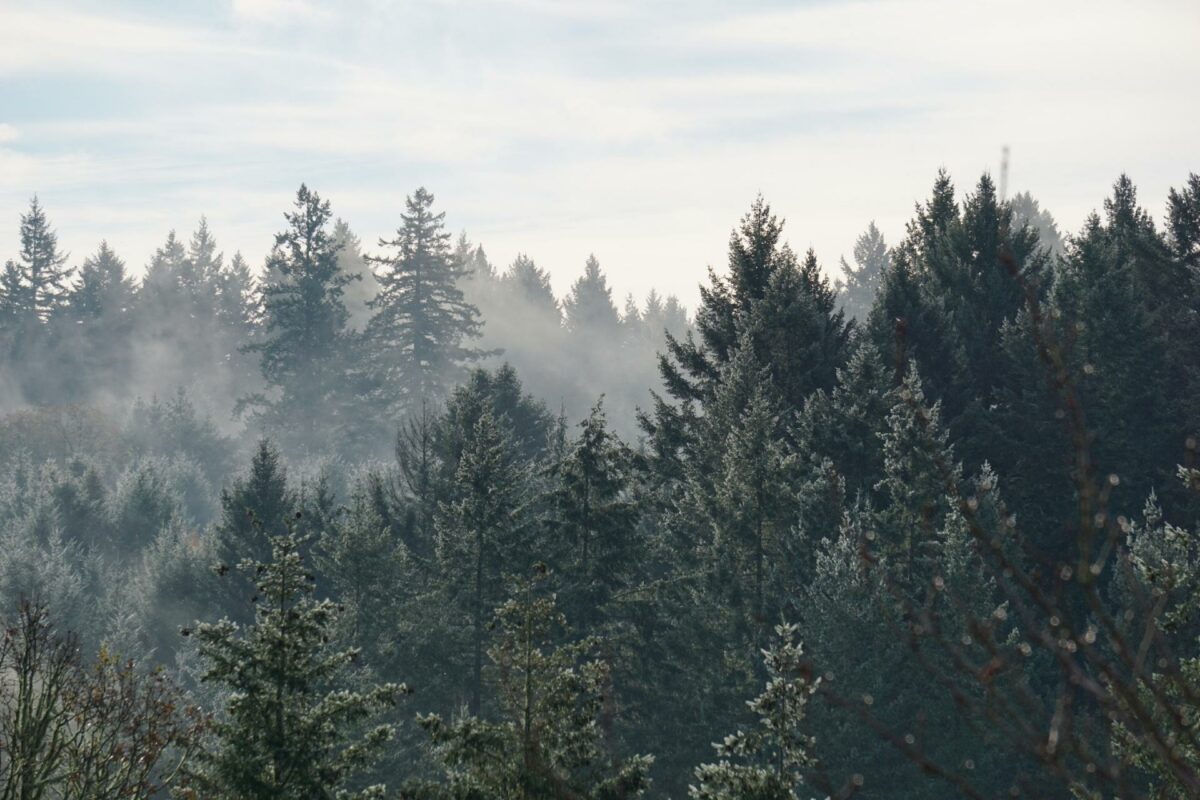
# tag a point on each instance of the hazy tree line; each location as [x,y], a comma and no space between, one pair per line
[409,313]
[927,532]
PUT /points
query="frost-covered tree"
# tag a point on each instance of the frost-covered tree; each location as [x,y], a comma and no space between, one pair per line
[291,728]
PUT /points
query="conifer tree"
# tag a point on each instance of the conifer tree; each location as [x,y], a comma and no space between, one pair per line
[254,510]
[366,568]
[1027,211]
[783,308]
[101,305]
[479,536]
[530,284]
[41,287]
[549,741]
[352,261]
[845,425]
[290,730]
[102,287]
[593,517]
[861,282]
[419,335]
[304,327]
[753,514]
[919,468]
[768,761]
[588,310]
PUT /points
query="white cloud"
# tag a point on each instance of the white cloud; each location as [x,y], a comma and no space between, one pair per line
[280,12]
[646,152]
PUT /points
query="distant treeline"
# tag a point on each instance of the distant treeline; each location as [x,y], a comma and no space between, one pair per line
[927,532]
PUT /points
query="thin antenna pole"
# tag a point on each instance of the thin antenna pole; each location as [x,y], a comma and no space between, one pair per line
[1003,173]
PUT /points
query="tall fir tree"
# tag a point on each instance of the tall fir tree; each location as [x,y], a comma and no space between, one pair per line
[593,519]
[418,338]
[861,280]
[480,536]
[42,270]
[304,330]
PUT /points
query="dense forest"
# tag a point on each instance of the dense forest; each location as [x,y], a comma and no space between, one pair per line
[390,521]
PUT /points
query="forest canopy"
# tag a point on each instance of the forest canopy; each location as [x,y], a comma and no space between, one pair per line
[390,520]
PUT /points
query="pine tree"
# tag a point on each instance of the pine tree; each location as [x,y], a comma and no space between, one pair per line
[352,261]
[919,469]
[784,309]
[753,514]
[594,518]
[530,284]
[289,730]
[102,287]
[1027,211]
[845,425]
[768,761]
[41,289]
[479,536]
[366,568]
[254,510]
[861,282]
[550,740]
[588,310]
[418,336]
[304,327]
[101,306]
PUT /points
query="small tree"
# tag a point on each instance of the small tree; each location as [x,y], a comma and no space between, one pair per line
[71,731]
[287,731]
[550,740]
[767,762]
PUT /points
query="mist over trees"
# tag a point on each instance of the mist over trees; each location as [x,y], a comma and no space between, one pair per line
[386,519]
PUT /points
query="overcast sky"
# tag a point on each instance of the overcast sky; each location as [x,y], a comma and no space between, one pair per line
[639,130]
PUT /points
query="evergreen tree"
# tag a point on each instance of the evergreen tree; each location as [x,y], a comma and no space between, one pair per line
[254,510]
[588,310]
[1027,212]
[366,568]
[752,516]
[479,535]
[768,761]
[101,305]
[845,425]
[290,730]
[919,469]
[236,297]
[550,739]
[530,284]
[1183,221]
[102,287]
[353,262]
[784,309]
[594,518]
[41,288]
[304,327]
[418,336]
[861,282]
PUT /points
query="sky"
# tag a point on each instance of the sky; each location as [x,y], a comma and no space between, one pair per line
[637,130]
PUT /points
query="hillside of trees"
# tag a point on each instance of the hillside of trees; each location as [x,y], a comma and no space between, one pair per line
[390,521]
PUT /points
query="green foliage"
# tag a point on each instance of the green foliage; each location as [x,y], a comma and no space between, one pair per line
[767,762]
[289,729]
[304,326]
[550,741]
[421,326]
